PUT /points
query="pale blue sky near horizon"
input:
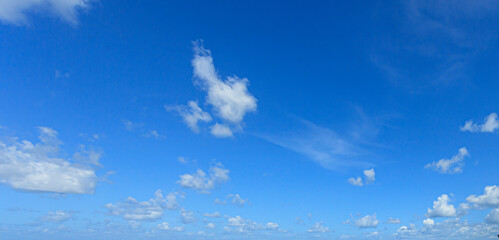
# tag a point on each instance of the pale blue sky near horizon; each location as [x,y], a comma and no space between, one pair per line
[254,119]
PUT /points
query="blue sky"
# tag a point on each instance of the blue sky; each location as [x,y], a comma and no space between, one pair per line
[249,120]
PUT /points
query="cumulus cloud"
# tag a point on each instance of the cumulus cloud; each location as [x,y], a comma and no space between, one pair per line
[491,124]
[450,166]
[441,208]
[318,227]
[449,229]
[489,199]
[242,225]
[133,210]
[221,131]
[368,221]
[41,168]
[213,215]
[166,227]
[187,216]
[16,11]
[493,216]
[230,98]
[192,114]
[205,182]
[56,217]
[369,177]
[428,222]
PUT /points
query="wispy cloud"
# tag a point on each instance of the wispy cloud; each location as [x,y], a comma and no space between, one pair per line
[450,166]
[16,11]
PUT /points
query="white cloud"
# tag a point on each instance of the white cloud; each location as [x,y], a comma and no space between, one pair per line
[441,208]
[213,215]
[448,229]
[191,114]
[154,134]
[204,182]
[450,166]
[221,131]
[369,176]
[166,227]
[38,167]
[242,225]
[230,99]
[356,181]
[318,227]
[428,222]
[182,160]
[187,216]
[489,199]
[368,221]
[491,123]
[393,221]
[16,11]
[56,217]
[133,210]
[237,200]
[272,225]
[210,225]
[493,216]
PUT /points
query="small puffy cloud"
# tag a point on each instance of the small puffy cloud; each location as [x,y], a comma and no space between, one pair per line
[213,215]
[368,221]
[210,225]
[133,210]
[166,227]
[187,216]
[428,222]
[237,200]
[204,182]
[491,124]
[489,199]
[242,225]
[356,181]
[318,227]
[221,131]
[16,11]
[393,221]
[56,217]
[369,177]
[450,166]
[442,208]
[41,167]
[493,216]
[272,225]
[192,114]
[230,98]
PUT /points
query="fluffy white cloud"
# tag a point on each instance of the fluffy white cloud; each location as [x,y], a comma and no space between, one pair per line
[356,181]
[489,199]
[428,222]
[318,227]
[491,123]
[38,167]
[237,200]
[204,182]
[221,131]
[451,166]
[368,221]
[493,216]
[441,208]
[230,99]
[210,225]
[56,217]
[369,177]
[393,220]
[242,225]
[16,11]
[187,216]
[166,227]
[133,210]
[191,114]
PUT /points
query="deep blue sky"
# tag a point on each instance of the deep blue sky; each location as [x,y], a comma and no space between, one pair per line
[290,119]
